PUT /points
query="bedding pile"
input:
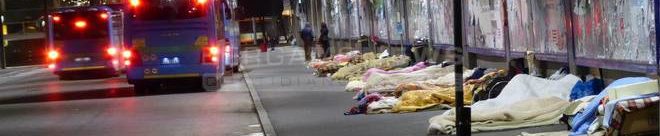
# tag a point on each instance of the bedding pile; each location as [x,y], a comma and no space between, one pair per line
[354,72]
[328,66]
[388,82]
[526,101]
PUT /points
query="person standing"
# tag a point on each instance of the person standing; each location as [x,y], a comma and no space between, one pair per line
[325,40]
[307,36]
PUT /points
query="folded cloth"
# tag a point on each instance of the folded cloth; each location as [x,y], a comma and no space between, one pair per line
[524,113]
[525,101]
[581,122]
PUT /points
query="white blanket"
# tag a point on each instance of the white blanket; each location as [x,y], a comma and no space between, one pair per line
[388,82]
[526,101]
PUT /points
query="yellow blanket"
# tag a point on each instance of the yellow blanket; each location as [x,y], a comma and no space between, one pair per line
[416,100]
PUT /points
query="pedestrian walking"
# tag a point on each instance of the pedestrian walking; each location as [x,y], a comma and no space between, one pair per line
[325,41]
[273,42]
[307,36]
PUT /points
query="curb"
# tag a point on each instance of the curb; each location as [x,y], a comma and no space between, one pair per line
[266,126]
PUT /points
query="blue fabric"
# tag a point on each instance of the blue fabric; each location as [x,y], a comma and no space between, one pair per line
[582,89]
[584,119]
[478,73]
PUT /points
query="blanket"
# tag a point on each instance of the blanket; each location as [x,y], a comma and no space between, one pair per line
[524,102]
[354,72]
[388,82]
[526,113]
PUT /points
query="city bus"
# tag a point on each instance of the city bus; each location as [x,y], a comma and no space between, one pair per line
[85,40]
[174,43]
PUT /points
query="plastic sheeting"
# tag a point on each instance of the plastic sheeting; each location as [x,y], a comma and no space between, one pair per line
[614,29]
[484,25]
[537,25]
[443,26]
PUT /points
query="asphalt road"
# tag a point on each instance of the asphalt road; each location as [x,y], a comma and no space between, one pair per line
[299,104]
[35,102]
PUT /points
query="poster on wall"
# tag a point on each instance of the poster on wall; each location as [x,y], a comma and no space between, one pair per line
[615,30]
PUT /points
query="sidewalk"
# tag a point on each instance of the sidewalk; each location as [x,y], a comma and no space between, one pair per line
[300,104]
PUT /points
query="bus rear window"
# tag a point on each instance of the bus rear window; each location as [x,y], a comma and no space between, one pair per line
[80,25]
[153,10]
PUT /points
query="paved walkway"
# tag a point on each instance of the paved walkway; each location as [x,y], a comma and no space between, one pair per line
[299,104]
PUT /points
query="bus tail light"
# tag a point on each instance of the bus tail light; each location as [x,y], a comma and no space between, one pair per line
[134,3]
[127,54]
[103,15]
[56,18]
[53,55]
[211,54]
[112,51]
[80,24]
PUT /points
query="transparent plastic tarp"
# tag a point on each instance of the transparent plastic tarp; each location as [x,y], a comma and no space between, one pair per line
[615,30]
[418,19]
[395,14]
[537,25]
[484,24]
[443,26]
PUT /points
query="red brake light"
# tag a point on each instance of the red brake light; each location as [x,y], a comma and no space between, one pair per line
[53,55]
[103,16]
[127,54]
[134,3]
[56,18]
[80,24]
[211,54]
[112,51]
[214,50]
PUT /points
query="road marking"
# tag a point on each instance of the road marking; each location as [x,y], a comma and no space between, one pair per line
[261,111]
